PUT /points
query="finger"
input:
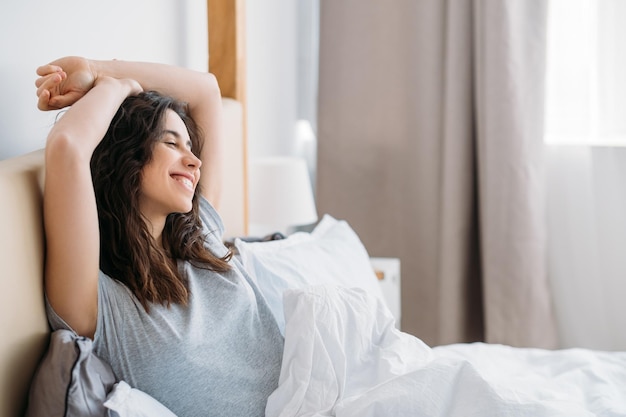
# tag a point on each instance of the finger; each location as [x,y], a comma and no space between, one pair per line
[43,99]
[47,69]
[58,102]
[39,81]
[49,82]
[50,79]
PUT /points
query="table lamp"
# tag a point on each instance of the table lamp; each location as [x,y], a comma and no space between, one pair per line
[281,196]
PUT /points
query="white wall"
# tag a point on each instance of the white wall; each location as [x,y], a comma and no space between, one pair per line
[587,244]
[34,32]
[272,65]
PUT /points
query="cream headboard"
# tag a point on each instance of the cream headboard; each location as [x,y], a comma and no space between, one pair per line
[23,322]
[233,201]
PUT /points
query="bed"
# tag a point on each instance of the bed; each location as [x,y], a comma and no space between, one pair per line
[343,354]
[344,357]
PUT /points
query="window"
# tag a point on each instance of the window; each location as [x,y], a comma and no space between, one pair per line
[586,72]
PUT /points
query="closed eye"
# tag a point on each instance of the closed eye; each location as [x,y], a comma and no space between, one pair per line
[178,140]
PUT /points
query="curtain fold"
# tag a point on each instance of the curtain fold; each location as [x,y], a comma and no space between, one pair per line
[510,71]
[430,138]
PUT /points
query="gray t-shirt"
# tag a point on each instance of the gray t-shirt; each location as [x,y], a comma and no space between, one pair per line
[218,356]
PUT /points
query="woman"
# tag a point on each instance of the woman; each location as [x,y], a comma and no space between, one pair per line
[134,252]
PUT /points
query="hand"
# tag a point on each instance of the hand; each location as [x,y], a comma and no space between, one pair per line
[130,86]
[63,82]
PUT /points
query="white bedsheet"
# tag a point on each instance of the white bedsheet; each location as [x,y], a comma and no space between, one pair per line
[343,357]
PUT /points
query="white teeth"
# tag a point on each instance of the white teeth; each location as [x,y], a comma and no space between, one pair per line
[185,181]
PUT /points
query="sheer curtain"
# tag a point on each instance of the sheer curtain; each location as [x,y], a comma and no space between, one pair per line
[430,131]
[586,170]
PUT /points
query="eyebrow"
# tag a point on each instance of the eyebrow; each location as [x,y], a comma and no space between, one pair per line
[177,136]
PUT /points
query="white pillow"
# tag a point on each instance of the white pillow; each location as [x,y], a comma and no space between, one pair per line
[331,254]
[124,401]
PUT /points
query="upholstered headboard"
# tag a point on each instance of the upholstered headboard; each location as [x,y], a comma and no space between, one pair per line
[233,204]
[23,320]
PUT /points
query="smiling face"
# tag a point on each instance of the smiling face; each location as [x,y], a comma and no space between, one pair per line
[169,180]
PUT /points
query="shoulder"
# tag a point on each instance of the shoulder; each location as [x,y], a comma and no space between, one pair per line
[210,217]
[213,227]
[107,285]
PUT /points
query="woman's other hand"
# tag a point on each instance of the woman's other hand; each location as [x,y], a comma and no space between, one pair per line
[131,87]
[63,82]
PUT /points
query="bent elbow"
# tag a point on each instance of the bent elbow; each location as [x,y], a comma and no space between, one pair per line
[62,147]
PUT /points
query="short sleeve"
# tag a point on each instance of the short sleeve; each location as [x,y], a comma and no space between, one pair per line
[55,321]
[213,228]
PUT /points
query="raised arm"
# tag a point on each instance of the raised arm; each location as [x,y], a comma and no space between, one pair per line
[199,89]
[70,213]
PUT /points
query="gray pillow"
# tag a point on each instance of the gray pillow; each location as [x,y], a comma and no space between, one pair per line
[70,380]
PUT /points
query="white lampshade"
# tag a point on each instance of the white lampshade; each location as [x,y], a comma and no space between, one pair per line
[306,146]
[280,194]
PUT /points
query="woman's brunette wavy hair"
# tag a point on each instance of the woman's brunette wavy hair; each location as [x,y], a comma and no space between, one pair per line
[128,252]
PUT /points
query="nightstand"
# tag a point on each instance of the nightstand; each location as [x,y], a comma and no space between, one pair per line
[388,273]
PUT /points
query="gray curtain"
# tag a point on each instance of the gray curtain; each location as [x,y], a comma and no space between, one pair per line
[430,146]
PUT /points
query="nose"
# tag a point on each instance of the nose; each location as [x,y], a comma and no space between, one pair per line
[192,161]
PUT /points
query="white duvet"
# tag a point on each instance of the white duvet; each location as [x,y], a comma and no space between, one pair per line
[343,357]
